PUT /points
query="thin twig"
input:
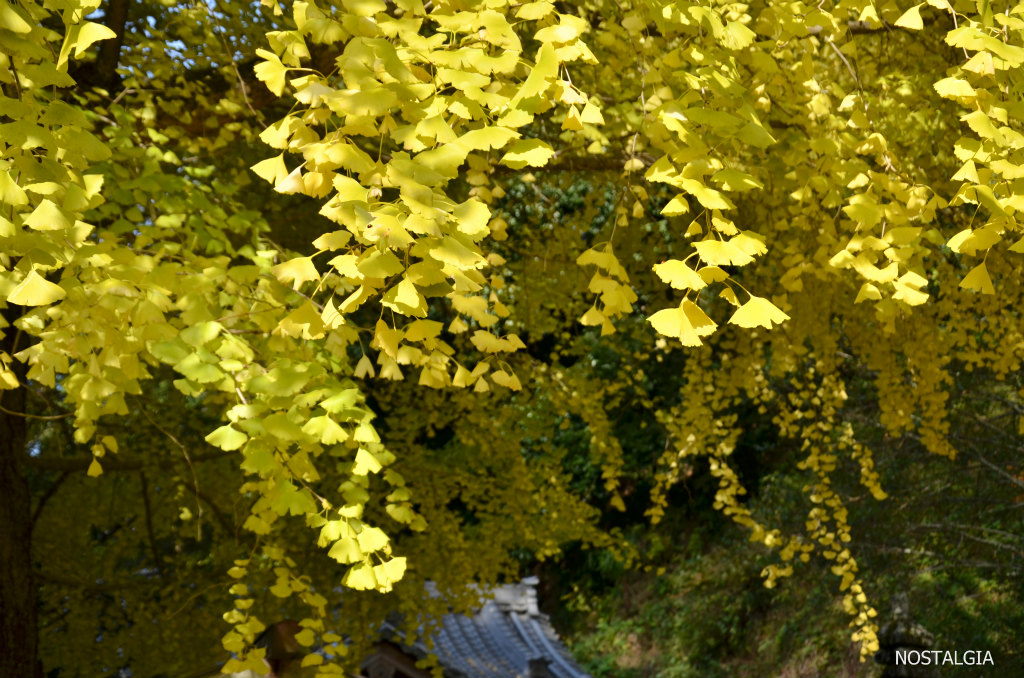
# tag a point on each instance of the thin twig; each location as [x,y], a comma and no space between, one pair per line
[51,417]
[243,88]
[188,458]
[1013,479]
[123,94]
[74,464]
[47,495]
[220,515]
[845,61]
[17,81]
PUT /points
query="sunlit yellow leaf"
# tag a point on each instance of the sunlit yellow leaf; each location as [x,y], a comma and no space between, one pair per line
[12,20]
[346,551]
[35,290]
[867,291]
[954,87]
[291,183]
[531,11]
[758,312]
[567,29]
[389,573]
[271,71]
[272,170]
[48,217]
[687,322]
[80,36]
[227,438]
[360,577]
[364,368]
[680,276]
[365,463]
[911,19]
[541,76]
[533,152]
[737,36]
[572,120]
[487,138]
[719,253]
[676,206]
[978,280]
[507,379]
[296,271]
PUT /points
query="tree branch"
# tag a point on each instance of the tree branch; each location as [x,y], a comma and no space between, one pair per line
[93,587]
[858,28]
[221,517]
[51,417]
[73,464]
[157,559]
[110,50]
[50,491]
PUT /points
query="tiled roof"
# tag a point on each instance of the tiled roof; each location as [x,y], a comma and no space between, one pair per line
[507,637]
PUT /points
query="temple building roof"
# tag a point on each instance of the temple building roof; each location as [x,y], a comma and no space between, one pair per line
[507,637]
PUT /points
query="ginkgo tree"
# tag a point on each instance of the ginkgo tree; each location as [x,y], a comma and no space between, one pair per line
[255,258]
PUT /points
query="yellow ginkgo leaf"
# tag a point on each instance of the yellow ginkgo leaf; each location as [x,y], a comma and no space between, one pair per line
[718,253]
[540,78]
[709,197]
[592,115]
[365,463]
[911,19]
[699,320]
[47,217]
[227,438]
[686,322]
[360,577]
[35,290]
[389,573]
[710,274]
[80,36]
[533,152]
[372,539]
[680,276]
[532,11]
[364,368]
[954,87]
[271,170]
[297,271]
[676,206]
[292,183]
[507,379]
[978,280]
[749,243]
[487,138]
[271,71]
[758,312]
[572,120]
[867,291]
[346,551]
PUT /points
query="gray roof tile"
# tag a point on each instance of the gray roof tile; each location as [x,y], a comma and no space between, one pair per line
[500,638]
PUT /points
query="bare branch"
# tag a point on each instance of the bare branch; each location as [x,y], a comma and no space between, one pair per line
[150,535]
[73,464]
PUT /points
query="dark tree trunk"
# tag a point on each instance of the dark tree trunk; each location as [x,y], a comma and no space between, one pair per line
[110,50]
[19,635]
[102,71]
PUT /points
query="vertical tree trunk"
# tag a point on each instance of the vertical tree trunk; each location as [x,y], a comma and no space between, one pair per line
[110,50]
[19,635]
